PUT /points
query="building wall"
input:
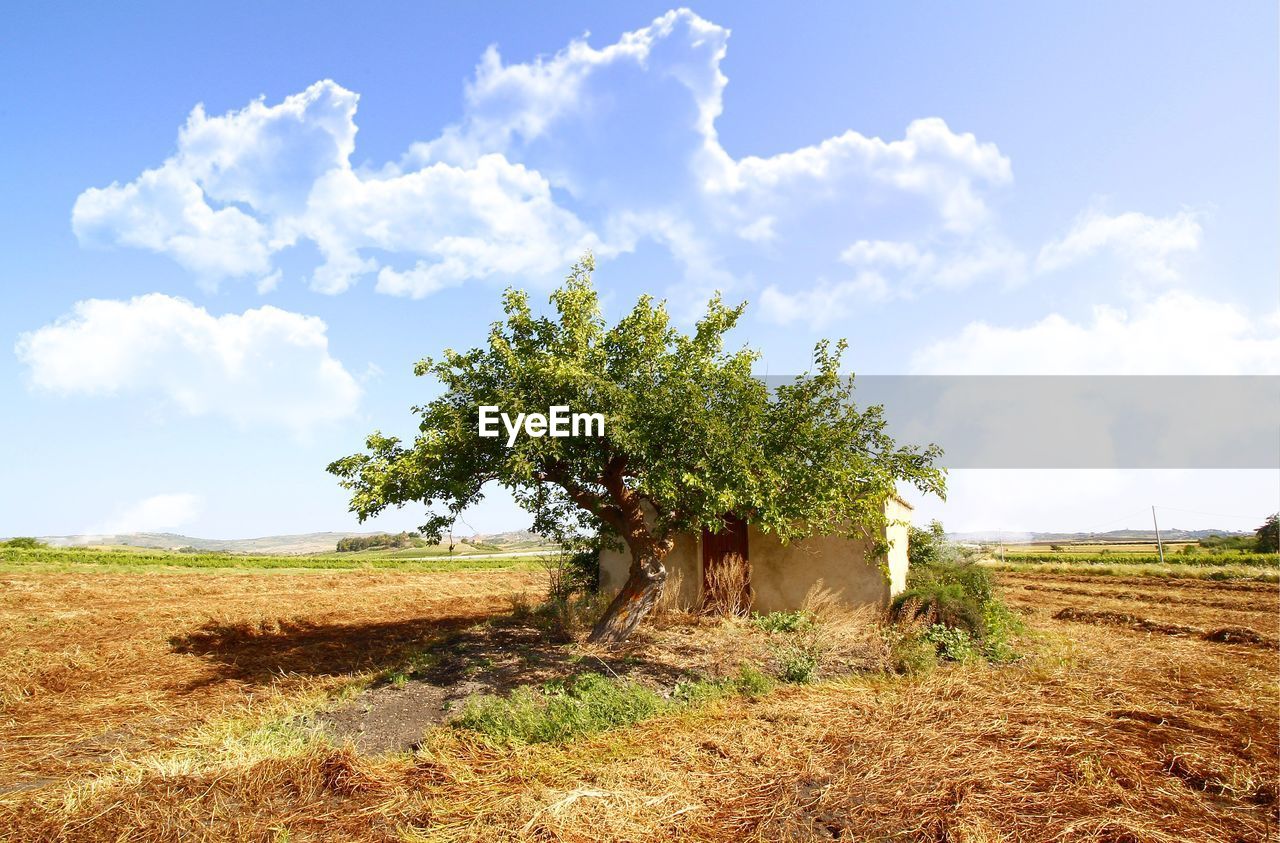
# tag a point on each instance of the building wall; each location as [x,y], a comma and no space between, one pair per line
[782,575]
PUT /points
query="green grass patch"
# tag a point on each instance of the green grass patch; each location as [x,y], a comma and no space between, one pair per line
[591,703]
[1151,569]
[782,622]
[560,711]
[1188,560]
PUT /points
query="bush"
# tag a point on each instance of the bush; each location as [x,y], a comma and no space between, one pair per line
[999,625]
[566,618]
[951,643]
[946,603]
[23,542]
[1267,537]
[752,681]
[924,547]
[572,572]
[797,663]
[965,619]
[560,711]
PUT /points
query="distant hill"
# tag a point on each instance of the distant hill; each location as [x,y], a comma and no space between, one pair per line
[276,545]
[1110,537]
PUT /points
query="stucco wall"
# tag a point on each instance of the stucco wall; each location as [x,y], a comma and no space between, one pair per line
[898,515]
[782,575]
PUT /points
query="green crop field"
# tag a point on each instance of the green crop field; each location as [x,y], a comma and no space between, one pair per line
[130,558]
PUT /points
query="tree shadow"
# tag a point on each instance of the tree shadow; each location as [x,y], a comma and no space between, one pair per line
[262,652]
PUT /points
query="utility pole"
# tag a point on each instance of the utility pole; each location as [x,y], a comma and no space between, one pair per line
[1159,544]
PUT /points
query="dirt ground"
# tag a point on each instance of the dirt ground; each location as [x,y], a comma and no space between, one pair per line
[1129,718]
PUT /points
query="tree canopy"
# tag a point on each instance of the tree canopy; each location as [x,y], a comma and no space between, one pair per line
[690,436]
[1268,535]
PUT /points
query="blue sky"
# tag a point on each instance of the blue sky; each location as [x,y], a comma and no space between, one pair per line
[201,309]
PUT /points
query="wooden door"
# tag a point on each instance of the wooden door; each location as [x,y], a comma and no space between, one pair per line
[726,569]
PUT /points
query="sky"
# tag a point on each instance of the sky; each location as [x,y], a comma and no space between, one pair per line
[230,229]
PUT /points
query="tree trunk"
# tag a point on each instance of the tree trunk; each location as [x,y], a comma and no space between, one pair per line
[634,601]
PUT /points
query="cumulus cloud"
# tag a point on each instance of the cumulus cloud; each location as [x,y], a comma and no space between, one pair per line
[1149,245]
[1175,333]
[158,513]
[592,147]
[265,366]
[249,183]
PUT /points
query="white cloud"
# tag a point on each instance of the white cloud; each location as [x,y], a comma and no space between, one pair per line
[164,211]
[159,513]
[930,161]
[265,366]
[823,304]
[249,183]
[546,155]
[1176,333]
[1149,245]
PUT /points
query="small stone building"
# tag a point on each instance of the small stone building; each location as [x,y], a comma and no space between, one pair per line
[781,575]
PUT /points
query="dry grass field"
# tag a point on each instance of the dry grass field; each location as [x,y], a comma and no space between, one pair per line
[166,706]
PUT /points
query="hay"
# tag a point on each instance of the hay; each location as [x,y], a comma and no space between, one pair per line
[1101,733]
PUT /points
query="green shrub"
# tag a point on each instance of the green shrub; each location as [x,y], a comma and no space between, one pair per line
[780,622]
[797,663]
[752,681]
[952,643]
[946,603]
[999,625]
[927,546]
[25,542]
[965,617]
[584,570]
[560,711]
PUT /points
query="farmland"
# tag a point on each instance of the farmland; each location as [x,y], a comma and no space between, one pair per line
[150,701]
[1180,561]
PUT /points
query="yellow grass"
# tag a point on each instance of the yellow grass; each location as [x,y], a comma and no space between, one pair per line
[1100,732]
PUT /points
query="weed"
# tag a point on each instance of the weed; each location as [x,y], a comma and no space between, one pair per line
[521,608]
[797,662]
[999,625]
[952,643]
[946,603]
[701,691]
[964,617]
[752,681]
[907,651]
[560,712]
[778,622]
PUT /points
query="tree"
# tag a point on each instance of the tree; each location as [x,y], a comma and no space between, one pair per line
[925,546]
[691,436]
[1269,535]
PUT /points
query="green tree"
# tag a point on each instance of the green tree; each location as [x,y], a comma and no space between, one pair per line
[1269,535]
[690,436]
[926,545]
